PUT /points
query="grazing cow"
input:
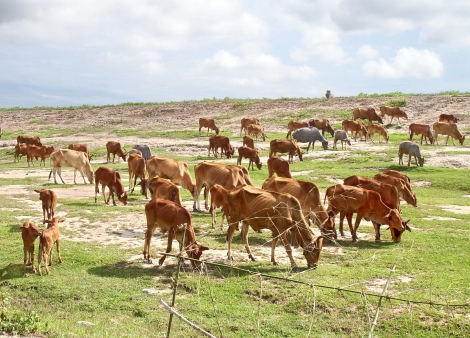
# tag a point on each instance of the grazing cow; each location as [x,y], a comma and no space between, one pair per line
[449,118]
[366,114]
[393,112]
[280,213]
[20,150]
[205,122]
[111,179]
[144,150]
[411,149]
[355,127]
[246,121]
[278,166]
[285,146]
[251,154]
[421,129]
[256,130]
[308,195]
[164,189]
[71,158]
[218,200]
[310,135]
[34,140]
[323,125]
[248,141]
[377,129]
[29,233]
[81,147]
[175,220]
[49,203]
[293,125]
[366,204]
[211,173]
[137,169]
[341,135]
[406,193]
[46,241]
[115,148]
[34,152]
[174,170]
[222,142]
[398,174]
[448,129]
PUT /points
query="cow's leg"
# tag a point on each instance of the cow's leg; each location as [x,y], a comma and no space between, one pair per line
[171,235]
[356,225]
[409,159]
[40,256]
[58,250]
[273,248]
[341,220]
[224,215]
[230,231]
[244,236]
[26,256]
[83,175]
[377,231]
[31,257]
[96,191]
[111,193]
[59,172]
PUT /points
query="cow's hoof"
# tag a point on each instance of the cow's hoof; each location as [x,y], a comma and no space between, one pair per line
[253,259]
[230,258]
[296,270]
[378,241]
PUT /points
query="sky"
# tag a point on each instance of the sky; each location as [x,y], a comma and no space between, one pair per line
[61,53]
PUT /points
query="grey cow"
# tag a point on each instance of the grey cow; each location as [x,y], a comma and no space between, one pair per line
[144,149]
[310,135]
[411,149]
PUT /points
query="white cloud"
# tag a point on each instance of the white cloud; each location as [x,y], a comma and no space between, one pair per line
[367,52]
[408,62]
[319,41]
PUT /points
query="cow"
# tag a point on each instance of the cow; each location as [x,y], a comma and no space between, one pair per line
[278,166]
[393,112]
[115,148]
[211,173]
[366,114]
[29,233]
[398,174]
[421,129]
[321,124]
[293,125]
[80,147]
[310,135]
[111,179]
[341,135]
[222,142]
[175,220]
[164,189]
[251,154]
[246,121]
[280,213]
[411,149]
[20,150]
[377,129]
[34,140]
[144,150]
[308,195]
[137,169]
[49,203]
[366,204]
[355,127]
[35,152]
[174,170]
[71,158]
[248,141]
[256,130]
[205,122]
[407,194]
[448,129]
[47,239]
[218,200]
[285,146]
[449,118]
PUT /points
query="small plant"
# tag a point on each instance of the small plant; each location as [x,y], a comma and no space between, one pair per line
[402,102]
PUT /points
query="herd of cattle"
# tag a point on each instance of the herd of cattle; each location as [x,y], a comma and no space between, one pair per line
[285,206]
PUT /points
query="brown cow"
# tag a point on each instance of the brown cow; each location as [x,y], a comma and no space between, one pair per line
[293,125]
[280,213]
[49,203]
[248,141]
[246,121]
[34,152]
[308,195]
[46,241]
[366,204]
[256,130]
[71,158]
[285,146]
[29,233]
[393,112]
[164,189]
[205,122]
[34,140]
[323,125]
[355,127]
[218,200]
[137,169]
[366,114]
[211,173]
[222,142]
[398,174]
[377,129]
[81,147]
[278,166]
[448,129]
[20,150]
[111,179]
[175,220]
[407,194]
[449,118]
[251,154]
[115,148]
[421,129]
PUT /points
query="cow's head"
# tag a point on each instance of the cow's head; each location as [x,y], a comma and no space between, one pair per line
[396,234]
[421,161]
[194,251]
[324,145]
[327,226]
[123,198]
[217,130]
[312,252]
[461,140]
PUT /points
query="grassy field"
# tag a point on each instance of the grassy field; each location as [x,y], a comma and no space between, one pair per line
[101,290]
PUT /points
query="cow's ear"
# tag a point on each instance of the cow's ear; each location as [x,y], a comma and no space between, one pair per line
[61,220]
[203,248]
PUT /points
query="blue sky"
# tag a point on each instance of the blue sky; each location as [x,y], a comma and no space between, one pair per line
[64,53]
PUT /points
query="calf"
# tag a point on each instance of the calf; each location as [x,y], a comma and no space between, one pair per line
[20,150]
[46,241]
[137,169]
[278,166]
[355,127]
[49,203]
[449,118]
[248,141]
[209,124]
[393,112]
[165,189]
[323,125]
[448,129]
[245,122]
[285,146]
[81,147]
[421,129]
[377,129]
[256,130]
[251,154]
[400,175]
[411,149]
[218,200]
[29,233]
[35,152]
[115,148]
[222,142]
[111,179]
[294,125]
[406,193]
[341,135]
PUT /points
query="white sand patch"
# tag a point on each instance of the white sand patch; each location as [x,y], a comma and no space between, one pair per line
[457,209]
[438,218]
